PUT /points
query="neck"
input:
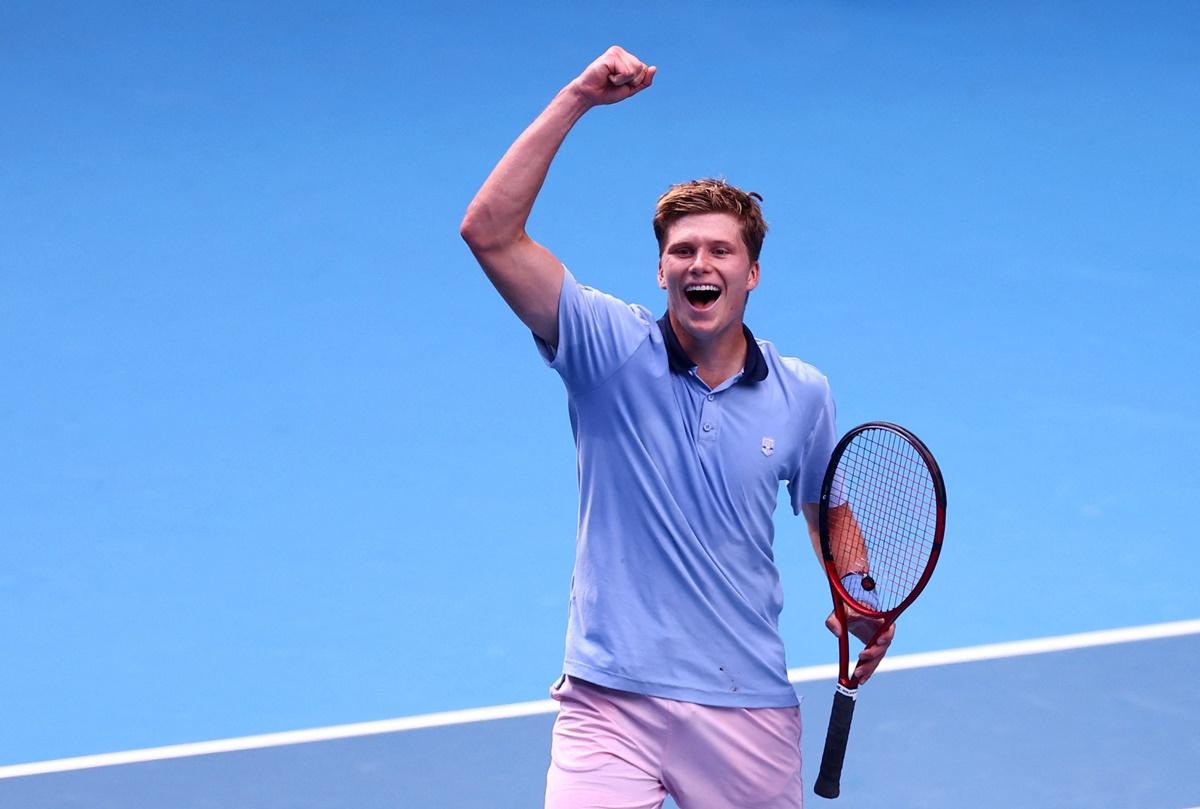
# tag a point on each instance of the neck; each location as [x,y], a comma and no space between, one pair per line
[718,356]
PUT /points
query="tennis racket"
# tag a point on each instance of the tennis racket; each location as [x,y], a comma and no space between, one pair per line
[882,516]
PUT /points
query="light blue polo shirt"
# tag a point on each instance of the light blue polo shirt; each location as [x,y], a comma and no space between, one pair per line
[675,591]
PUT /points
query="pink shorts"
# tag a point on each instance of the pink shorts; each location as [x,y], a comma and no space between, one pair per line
[629,751]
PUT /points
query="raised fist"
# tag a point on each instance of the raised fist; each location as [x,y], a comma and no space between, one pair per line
[614,76]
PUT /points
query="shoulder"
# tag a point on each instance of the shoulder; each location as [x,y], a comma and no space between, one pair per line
[792,372]
[598,299]
[597,334]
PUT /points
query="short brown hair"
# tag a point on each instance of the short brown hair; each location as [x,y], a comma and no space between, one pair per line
[711,196]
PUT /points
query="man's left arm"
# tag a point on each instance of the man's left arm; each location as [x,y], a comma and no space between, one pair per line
[861,626]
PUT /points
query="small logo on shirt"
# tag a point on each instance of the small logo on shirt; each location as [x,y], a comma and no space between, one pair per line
[768,446]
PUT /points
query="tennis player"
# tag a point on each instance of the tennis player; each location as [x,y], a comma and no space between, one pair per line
[674,676]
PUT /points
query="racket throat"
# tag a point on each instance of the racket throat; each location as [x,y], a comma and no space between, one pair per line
[846,678]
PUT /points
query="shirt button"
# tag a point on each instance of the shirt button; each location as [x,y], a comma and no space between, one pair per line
[711,397]
[707,428]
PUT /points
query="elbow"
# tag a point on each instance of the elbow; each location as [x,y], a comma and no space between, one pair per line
[469,229]
[476,228]
[482,233]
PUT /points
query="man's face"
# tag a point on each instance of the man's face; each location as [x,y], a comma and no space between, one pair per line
[706,270]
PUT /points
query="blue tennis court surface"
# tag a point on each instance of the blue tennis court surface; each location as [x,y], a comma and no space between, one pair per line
[1099,726]
[274,455]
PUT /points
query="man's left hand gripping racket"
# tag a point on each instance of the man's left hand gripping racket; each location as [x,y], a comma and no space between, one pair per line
[882,516]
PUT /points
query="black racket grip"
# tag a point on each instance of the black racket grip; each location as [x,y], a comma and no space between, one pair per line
[829,781]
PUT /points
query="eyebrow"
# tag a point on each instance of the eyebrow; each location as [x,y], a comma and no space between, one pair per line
[688,242]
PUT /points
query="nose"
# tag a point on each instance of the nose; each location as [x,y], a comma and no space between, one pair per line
[699,260]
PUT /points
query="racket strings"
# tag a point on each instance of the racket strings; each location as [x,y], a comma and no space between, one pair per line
[892,498]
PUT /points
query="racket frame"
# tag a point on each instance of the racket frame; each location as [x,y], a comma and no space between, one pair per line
[828,781]
[841,598]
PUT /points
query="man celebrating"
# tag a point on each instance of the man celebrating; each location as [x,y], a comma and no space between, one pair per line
[674,676]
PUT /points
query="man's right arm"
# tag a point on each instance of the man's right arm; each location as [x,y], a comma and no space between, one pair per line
[526,274]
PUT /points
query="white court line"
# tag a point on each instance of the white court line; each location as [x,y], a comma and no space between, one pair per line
[808,673]
[1017,648]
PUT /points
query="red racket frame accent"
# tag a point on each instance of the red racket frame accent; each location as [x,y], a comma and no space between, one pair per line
[841,598]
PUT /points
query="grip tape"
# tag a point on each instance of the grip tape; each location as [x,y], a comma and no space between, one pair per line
[830,778]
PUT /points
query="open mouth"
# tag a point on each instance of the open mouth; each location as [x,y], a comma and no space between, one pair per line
[702,296]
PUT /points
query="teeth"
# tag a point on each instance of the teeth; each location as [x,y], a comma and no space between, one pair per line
[702,288]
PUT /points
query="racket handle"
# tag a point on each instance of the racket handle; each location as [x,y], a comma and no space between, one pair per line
[829,781]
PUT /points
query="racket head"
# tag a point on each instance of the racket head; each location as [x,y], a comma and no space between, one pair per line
[884,486]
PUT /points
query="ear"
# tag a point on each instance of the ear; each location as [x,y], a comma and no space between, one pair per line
[662,276]
[752,280]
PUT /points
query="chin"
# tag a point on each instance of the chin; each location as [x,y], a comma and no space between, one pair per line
[703,324]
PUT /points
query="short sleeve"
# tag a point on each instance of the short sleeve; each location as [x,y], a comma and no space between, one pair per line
[805,486]
[597,333]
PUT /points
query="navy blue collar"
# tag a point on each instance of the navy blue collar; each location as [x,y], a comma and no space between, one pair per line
[754,371]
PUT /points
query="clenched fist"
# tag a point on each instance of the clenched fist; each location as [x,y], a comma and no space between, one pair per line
[614,76]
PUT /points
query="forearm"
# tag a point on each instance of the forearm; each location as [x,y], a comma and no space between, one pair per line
[526,274]
[811,522]
[847,544]
[496,217]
